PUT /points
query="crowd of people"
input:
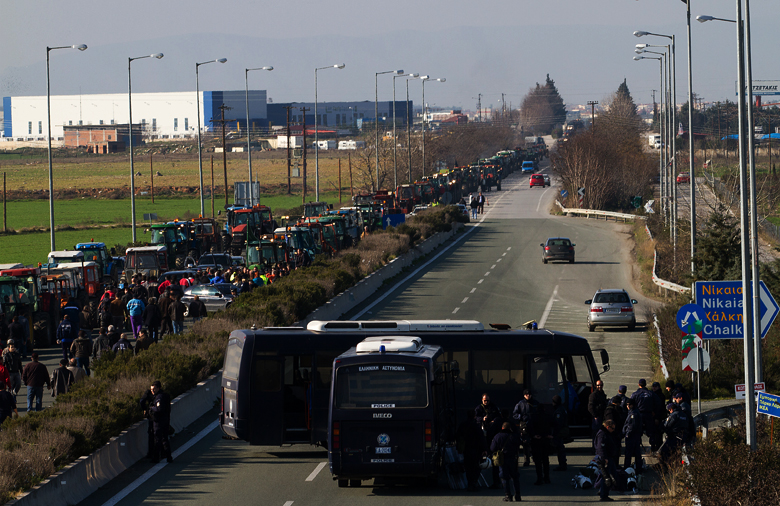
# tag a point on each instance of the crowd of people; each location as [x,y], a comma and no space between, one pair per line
[533,431]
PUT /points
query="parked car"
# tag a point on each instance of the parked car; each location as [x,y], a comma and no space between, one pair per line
[558,248]
[216,297]
[546,179]
[215,260]
[536,180]
[610,308]
[683,177]
[463,208]
[175,277]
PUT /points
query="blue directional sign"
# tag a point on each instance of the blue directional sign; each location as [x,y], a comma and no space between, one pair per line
[721,302]
[768,404]
[392,220]
[564,193]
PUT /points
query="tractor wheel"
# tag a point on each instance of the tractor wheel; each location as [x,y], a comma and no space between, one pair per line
[226,239]
[92,313]
[42,330]
[179,262]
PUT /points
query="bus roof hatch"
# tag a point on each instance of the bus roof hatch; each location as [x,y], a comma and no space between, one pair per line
[396,326]
[392,344]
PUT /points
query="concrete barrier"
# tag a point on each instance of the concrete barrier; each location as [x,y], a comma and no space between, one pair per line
[75,482]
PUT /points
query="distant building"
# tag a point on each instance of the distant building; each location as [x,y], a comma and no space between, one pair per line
[340,114]
[101,139]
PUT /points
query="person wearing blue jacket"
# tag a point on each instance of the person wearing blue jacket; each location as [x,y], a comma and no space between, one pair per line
[135,308]
[632,430]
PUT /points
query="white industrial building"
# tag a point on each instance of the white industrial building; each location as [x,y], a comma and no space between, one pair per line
[162,115]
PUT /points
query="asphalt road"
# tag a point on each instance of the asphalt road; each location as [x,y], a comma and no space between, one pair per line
[493,274]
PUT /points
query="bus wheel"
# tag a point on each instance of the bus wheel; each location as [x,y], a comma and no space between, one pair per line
[354,483]
[343,483]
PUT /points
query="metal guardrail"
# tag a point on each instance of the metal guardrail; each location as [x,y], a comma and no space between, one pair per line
[708,420]
[595,212]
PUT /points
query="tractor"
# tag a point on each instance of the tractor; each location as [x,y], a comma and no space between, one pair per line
[110,266]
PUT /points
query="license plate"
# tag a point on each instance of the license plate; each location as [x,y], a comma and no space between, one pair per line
[383,449]
[382,461]
[612,310]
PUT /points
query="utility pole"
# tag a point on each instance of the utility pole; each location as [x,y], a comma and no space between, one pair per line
[151,173]
[479,106]
[592,104]
[222,121]
[288,107]
[303,110]
[655,111]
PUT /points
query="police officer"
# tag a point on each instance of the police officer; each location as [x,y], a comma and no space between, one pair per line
[597,403]
[676,429]
[160,410]
[560,431]
[615,413]
[488,416]
[541,434]
[644,403]
[471,438]
[508,441]
[632,430]
[606,458]
[145,403]
[522,416]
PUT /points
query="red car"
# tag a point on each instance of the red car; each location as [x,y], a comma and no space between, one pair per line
[537,180]
[683,177]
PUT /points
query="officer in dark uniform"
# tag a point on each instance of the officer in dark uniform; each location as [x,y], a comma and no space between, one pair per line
[161,421]
[561,431]
[522,416]
[632,430]
[597,403]
[488,416]
[471,438]
[676,429]
[606,457]
[145,403]
[540,431]
[644,403]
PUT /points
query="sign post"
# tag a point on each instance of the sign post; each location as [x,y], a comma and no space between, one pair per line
[769,405]
[581,196]
[689,321]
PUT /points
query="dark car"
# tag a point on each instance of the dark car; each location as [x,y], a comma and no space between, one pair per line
[215,260]
[558,248]
[536,180]
[215,297]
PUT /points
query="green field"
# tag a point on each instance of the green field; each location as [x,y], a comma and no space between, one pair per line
[30,248]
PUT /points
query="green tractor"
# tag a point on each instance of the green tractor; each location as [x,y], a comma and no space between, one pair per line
[180,241]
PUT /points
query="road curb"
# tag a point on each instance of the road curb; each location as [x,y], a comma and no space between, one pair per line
[350,298]
[76,481]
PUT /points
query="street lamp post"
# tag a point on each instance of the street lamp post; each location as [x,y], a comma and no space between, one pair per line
[200,150]
[426,78]
[316,132]
[249,132]
[409,119]
[691,168]
[376,114]
[660,123]
[395,141]
[673,135]
[80,47]
[130,132]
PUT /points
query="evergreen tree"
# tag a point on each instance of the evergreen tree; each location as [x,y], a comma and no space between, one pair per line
[542,109]
[718,249]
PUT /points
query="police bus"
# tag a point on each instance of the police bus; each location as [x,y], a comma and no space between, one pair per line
[276,381]
[391,410]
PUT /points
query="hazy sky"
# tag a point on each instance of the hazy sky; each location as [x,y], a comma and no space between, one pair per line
[489,47]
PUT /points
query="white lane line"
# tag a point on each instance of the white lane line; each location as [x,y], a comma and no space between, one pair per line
[539,204]
[455,310]
[473,290]
[315,472]
[548,308]
[503,254]
[289,503]
[498,260]
[487,273]
[509,248]
[493,266]
[157,467]
[464,300]
[480,281]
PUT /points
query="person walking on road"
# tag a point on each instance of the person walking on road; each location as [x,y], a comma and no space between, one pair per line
[632,430]
[76,370]
[176,312]
[561,431]
[61,379]
[197,309]
[645,403]
[597,403]
[508,442]
[166,325]
[160,409]
[122,345]
[81,350]
[522,416]
[35,375]
[12,361]
[541,434]
[102,344]
[606,459]
[488,415]
[481,203]
[65,336]
[474,208]
[152,318]
[135,309]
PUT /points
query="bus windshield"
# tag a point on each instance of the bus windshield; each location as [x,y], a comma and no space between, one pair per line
[388,385]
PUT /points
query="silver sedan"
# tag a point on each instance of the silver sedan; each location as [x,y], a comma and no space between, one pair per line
[215,297]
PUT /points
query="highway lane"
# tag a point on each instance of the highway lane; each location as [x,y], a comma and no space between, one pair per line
[493,274]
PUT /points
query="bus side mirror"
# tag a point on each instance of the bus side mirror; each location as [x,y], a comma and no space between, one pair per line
[605,360]
[455,368]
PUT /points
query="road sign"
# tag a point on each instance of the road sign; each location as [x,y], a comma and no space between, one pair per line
[392,220]
[687,316]
[150,216]
[721,302]
[693,359]
[768,404]
[581,193]
[649,206]
[740,389]
[564,193]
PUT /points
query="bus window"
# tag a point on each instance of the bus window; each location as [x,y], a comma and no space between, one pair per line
[462,358]
[297,370]
[233,359]
[324,369]
[580,370]
[362,386]
[268,375]
[498,369]
[546,378]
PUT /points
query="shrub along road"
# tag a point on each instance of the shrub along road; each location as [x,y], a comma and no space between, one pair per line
[501,261]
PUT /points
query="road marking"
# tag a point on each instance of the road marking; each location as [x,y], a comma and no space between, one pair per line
[289,503]
[539,204]
[548,308]
[455,310]
[315,472]
[464,300]
[473,290]
[493,266]
[157,467]
[498,260]
[509,248]
[480,281]
[487,273]
[503,254]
